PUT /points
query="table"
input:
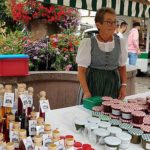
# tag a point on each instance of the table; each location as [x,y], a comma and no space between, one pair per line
[63,119]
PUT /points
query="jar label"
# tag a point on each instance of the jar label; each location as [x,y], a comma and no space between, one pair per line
[124,144]
[30,100]
[110,148]
[126,116]
[46,139]
[116,112]
[41,148]
[24,99]
[14,137]
[32,127]
[28,143]
[44,105]
[147,146]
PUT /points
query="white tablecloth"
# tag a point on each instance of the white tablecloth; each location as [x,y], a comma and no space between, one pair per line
[63,119]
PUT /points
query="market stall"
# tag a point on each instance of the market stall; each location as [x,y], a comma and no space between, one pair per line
[64,119]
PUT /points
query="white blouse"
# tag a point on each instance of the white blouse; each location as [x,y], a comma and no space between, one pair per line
[83,58]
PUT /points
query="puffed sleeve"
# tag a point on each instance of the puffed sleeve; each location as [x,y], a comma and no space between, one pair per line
[124,52]
[83,58]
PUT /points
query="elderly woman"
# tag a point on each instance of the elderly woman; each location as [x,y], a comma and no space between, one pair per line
[101,59]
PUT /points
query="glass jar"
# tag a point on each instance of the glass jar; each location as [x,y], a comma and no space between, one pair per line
[106,106]
[125,139]
[137,117]
[114,130]
[146,141]
[112,143]
[126,113]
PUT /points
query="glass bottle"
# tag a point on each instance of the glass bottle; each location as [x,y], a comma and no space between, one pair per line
[22,135]
[30,94]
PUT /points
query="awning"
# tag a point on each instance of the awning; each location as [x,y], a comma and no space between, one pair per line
[122,7]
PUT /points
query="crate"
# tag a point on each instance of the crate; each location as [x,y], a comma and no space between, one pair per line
[14,65]
[89,103]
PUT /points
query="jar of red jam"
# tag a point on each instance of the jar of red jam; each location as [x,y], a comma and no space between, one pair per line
[137,117]
[116,109]
[126,113]
[106,106]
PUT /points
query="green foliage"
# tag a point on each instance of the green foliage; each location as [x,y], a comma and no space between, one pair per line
[12,43]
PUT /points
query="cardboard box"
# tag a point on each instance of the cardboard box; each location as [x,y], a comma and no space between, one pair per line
[14,65]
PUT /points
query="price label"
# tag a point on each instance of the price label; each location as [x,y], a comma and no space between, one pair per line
[24,99]
[30,100]
[28,143]
[8,99]
[44,105]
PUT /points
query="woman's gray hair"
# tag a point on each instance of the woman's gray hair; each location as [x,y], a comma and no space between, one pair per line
[99,17]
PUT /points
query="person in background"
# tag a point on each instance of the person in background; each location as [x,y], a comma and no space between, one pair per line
[101,60]
[122,29]
[133,44]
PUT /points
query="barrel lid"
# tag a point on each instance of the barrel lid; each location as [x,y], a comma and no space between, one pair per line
[135,131]
[111,140]
[13,56]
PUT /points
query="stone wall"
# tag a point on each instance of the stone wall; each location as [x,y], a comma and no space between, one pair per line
[61,86]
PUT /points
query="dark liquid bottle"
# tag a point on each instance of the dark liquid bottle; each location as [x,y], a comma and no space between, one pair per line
[42,114]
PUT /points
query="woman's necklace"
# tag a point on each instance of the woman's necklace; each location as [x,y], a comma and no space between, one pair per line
[103,40]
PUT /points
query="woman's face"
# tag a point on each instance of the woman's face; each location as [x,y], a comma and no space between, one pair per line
[109,24]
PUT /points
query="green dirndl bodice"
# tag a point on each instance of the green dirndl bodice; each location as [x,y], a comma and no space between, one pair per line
[103,82]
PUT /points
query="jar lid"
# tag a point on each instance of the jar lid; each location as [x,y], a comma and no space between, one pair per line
[93,120]
[116,106]
[40,120]
[106,103]
[114,130]
[52,146]
[116,101]
[115,122]
[10,146]
[146,137]
[145,128]
[104,117]
[77,144]
[107,98]
[16,125]
[97,108]
[135,131]
[69,137]
[101,132]
[104,124]
[138,113]
[141,102]
[126,105]
[124,136]
[113,141]
[125,126]
[126,109]
[86,146]
[38,138]
[137,107]
[91,125]
[80,121]
[125,121]
[47,127]
[22,132]
[132,100]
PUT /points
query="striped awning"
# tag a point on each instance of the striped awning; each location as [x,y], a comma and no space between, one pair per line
[122,7]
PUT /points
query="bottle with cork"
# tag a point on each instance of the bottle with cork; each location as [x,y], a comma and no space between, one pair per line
[22,135]
[30,100]
[42,97]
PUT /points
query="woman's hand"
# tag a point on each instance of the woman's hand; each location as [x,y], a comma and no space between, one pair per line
[87,95]
[122,92]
